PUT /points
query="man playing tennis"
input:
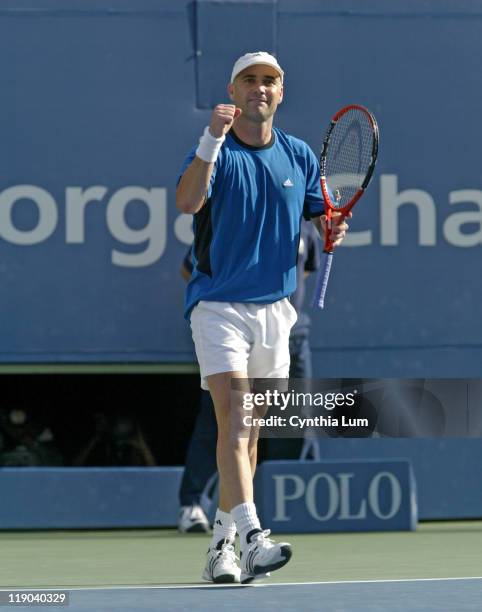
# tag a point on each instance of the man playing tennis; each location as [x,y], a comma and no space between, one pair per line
[247,185]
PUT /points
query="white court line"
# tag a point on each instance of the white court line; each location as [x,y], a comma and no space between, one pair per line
[224,586]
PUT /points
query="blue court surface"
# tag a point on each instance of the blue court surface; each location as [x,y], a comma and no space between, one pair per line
[434,595]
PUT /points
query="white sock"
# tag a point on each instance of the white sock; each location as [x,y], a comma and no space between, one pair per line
[246,520]
[224,528]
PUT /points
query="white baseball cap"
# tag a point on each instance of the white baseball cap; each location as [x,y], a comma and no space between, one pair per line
[250,59]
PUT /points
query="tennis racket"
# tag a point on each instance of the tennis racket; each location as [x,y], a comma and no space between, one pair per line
[347,162]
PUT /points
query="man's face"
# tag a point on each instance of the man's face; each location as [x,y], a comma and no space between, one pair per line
[257,91]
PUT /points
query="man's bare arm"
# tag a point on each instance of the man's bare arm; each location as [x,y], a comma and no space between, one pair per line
[193,186]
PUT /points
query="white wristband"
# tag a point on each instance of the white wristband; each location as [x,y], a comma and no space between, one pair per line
[209,146]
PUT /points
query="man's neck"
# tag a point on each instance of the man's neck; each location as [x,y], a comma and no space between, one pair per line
[253,134]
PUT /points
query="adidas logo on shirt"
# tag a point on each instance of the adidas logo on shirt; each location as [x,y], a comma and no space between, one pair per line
[288,183]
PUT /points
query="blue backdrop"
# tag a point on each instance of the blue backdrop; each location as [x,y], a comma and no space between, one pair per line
[101,100]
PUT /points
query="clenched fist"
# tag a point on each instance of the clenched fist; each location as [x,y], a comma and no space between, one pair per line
[222,119]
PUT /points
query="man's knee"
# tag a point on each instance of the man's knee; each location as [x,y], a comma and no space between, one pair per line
[233,443]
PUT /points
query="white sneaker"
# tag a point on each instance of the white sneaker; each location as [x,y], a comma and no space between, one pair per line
[221,566]
[262,556]
[192,520]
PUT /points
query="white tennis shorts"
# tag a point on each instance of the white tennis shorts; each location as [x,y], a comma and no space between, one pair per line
[239,337]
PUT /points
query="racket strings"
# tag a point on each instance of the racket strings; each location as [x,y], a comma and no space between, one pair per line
[349,156]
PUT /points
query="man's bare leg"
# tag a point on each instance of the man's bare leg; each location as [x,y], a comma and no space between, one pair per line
[234,452]
[235,482]
[236,456]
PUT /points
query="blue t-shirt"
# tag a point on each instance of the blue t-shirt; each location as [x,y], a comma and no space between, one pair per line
[308,261]
[247,233]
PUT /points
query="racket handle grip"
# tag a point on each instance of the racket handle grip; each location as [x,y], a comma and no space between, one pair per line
[322,283]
